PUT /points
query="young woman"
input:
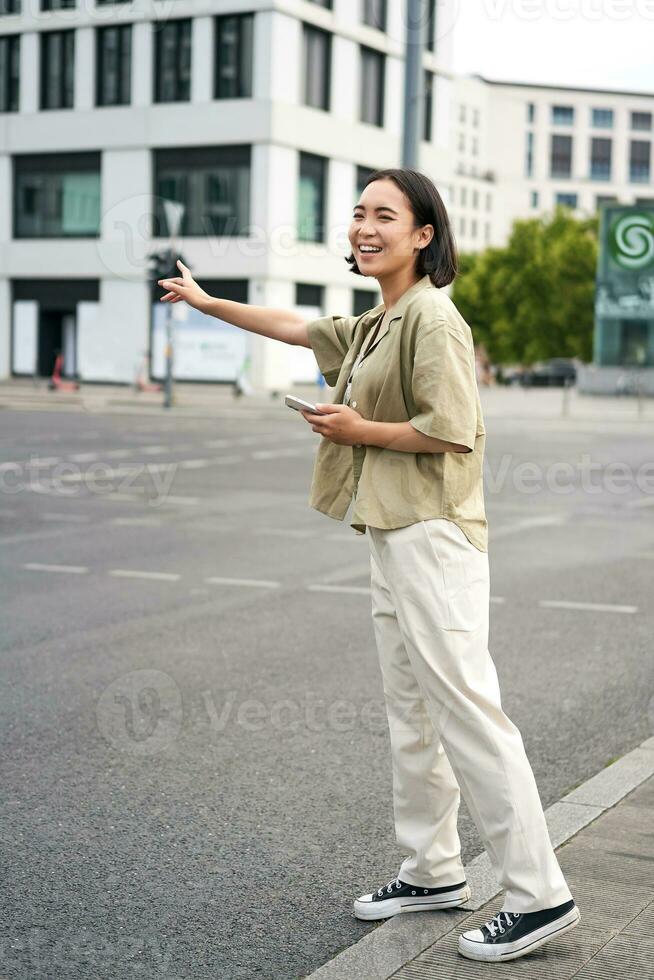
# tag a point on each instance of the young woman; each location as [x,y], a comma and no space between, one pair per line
[404,442]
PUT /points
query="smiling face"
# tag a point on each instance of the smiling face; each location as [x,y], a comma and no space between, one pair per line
[382,234]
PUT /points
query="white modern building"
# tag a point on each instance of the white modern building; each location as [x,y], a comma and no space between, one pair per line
[261,117]
[543,145]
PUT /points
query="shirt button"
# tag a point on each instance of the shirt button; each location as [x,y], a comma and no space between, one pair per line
[354,404]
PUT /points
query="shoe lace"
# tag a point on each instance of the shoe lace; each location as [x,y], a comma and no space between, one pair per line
[394,882]
[495,924]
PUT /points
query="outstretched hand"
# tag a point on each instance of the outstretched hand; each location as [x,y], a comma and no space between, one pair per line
[184,287]
[341,424]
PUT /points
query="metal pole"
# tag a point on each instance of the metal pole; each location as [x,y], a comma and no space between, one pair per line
[168,383]
[416,13]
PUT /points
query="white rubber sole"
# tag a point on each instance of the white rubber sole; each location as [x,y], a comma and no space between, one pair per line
[494,954]
[371,911]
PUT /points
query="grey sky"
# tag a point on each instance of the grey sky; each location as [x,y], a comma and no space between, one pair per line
[590,43]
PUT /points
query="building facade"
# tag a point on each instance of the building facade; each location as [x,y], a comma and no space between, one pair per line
[262,118]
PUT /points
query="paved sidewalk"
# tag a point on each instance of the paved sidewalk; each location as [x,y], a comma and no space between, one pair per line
[609,866]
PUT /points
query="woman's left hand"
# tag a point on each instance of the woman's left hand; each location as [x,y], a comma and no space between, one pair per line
[341,424]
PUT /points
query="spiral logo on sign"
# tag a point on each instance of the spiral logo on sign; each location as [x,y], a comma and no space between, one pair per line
[632,240]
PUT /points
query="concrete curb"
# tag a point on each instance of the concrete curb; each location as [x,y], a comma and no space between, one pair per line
[388,947]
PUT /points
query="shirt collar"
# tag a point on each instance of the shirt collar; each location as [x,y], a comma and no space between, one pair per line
[399,308]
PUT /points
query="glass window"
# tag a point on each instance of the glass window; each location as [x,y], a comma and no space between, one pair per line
[600,158]
[473,228]
[563,115]
[529,157]
[561,156]
[489,202]
[475,199]
[9,7]
[531,112]
[362,176]
[322,3]
[639,161]
[641,120]
[172,60]
[462,226]
[312,194]
[364,300]
[57,69]
[317,67]
[374,14]
[372,87]
[462,142]
[601,118]
[463,196]
[566,200]
[234,39]
[213,184]
[430,26]
[475,118]
[9,72]
[58,4]
[534,199]
[57,195]
[428,107]
[462,113]
[113,64]
[307,294]
[604,199]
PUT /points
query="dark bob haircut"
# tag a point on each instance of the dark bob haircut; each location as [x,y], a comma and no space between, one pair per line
[438,260]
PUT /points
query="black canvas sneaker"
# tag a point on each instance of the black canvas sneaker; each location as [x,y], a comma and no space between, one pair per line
[509,935]
[398,896]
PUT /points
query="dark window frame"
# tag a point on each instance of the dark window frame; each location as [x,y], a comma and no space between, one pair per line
[66,61]
[368,56]
[312,35]
[245,57]
[180,31]
[58,164]
[124,87]
[307,161]
[10,73]
[187,166]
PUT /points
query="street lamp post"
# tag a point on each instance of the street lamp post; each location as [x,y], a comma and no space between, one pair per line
[414,82]
[163,265]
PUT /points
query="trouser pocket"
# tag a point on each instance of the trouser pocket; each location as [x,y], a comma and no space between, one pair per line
[461,576]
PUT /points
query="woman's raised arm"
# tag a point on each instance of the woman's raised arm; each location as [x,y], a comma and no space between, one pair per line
[284,325]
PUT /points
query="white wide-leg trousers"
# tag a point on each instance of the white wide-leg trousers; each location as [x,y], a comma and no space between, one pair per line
[448,732]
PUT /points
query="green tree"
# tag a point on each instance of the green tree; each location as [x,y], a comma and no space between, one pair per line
[533,299]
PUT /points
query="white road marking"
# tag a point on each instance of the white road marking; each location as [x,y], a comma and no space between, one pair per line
[194,464]
[293,532]
[154,450]
[34,566]
[118,453]
[351,589]
[253,582]
[497,599]
[135,521]
[526,525]
[32,536]
[70,518]
[221,460]
[642,502]
[156,576]
[47,460]
[84,457]
[590,606]
[217,443]
[10,466]
[277,453]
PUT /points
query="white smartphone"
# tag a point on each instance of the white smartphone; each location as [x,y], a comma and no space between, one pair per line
[299,404]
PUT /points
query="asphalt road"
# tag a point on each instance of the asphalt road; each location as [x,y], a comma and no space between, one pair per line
[195,768]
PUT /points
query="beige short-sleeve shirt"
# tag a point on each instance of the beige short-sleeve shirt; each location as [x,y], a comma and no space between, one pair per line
[419,368]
